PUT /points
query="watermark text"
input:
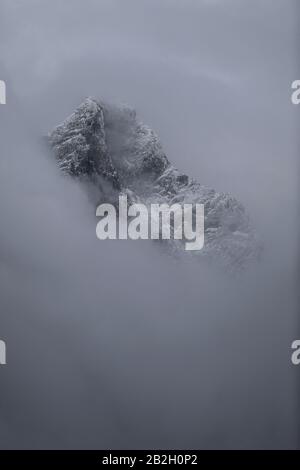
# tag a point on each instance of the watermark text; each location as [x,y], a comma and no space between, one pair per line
[2,353]
[295,97]
[296,353]
[2,92]
[155,221]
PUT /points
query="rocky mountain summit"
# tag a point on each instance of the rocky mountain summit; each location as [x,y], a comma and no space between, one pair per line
[113,150]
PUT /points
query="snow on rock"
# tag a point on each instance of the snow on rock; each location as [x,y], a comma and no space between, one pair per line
[103,142]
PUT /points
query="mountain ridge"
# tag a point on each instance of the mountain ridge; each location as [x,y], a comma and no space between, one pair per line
[117,153]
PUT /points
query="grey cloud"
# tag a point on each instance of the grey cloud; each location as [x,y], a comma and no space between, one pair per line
[117,345]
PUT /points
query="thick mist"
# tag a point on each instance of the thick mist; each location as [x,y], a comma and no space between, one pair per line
[115,344]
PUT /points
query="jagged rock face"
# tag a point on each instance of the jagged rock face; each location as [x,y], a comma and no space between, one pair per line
[80,145]
[99,141]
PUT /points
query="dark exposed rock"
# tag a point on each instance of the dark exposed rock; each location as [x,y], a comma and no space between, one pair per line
[80,144]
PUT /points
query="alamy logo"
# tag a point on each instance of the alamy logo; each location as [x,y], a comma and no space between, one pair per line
[296,354]
[156,221]
[2,92]
[2,353]
[295,97]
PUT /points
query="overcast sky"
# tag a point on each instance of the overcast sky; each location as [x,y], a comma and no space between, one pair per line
[119,346]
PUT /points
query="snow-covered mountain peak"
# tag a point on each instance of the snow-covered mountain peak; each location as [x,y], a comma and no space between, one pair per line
[108,146]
